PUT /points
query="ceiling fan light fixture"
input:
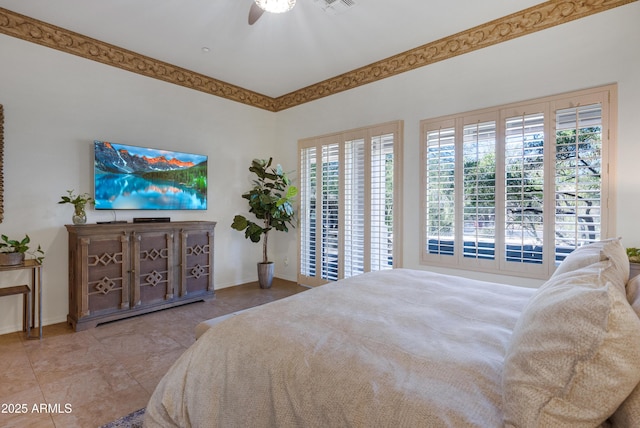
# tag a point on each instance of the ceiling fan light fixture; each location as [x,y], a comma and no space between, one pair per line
[276,6]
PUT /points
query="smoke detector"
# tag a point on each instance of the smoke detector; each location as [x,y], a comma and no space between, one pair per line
[335,7]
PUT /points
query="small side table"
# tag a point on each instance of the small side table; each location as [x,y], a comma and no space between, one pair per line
[36,293]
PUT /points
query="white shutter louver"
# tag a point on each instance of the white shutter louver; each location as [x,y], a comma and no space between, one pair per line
[578,177]
[307,211]
[330,211]
[440,198]
[382,172]
[354,208]
[524,188]
[479,210]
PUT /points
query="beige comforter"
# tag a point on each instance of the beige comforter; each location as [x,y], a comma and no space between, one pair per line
[397,348]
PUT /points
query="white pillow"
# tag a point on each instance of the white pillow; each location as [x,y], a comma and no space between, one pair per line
[628,414]
[581,257]
[617,255]
[586,255]
[574,355]
[633,294]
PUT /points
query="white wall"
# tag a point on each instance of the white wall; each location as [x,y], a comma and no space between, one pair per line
[593,51]
[56,104]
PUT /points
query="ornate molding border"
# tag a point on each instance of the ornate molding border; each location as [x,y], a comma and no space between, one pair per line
[527,21]
[32,30]
[531,20]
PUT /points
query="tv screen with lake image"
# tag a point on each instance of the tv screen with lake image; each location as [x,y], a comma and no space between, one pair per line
[139,178]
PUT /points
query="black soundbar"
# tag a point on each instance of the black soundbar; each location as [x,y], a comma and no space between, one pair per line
[151,219]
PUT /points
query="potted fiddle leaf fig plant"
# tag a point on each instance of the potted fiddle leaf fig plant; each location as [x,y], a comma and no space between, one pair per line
[271,202]
[12,251]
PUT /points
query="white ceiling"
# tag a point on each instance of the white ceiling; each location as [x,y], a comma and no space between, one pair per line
[280,53]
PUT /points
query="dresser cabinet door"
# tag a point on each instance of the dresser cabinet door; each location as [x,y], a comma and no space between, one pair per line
[152,254]
[197,262]
[104,275]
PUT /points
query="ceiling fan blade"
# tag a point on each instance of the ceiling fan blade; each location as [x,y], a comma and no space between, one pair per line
[254,13]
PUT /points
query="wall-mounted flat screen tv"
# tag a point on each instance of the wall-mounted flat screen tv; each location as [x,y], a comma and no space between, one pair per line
[139,178]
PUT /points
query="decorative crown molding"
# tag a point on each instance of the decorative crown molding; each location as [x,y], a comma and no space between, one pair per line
[528,21]
[32,30]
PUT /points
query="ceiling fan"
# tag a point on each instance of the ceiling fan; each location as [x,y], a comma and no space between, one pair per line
[259,7]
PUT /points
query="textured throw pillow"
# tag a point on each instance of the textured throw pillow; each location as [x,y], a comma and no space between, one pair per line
[633,294]
[574,354]
[593,253]
[618,271]
[628,414]
[581,257]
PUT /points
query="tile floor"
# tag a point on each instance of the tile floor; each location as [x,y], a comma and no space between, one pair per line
[89,378]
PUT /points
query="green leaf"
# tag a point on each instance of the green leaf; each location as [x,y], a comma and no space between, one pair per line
[253,232]
[281,226]
[270,176]
[257,171]
[288,209]
[265,199]
[239,223]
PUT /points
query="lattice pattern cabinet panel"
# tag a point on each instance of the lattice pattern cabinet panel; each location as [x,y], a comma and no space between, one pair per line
[197,251]
[121,270]
[105,281]
[153,269]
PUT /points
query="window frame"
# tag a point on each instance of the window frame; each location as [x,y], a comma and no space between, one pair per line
[605,95]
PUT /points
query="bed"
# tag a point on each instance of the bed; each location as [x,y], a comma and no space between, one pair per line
[412,348]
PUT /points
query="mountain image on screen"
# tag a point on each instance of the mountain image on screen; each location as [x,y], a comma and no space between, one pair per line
[108,159]
[130,177]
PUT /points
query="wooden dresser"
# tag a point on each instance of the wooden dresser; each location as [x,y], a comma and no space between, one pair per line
[125,269]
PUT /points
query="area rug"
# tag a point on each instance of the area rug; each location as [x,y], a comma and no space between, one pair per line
[132,420]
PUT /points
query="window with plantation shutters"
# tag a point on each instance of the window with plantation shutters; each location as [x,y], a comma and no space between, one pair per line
[514,189]
[440,202]
[381,224]
[307,211]
[524,188]
[354,207]
[578,177]
[349,203]
[479,188]
[329,206]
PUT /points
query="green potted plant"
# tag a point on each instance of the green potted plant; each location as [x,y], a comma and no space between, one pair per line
[79,202]
[12,251]
[633,254]
[271,201]
[634,261]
